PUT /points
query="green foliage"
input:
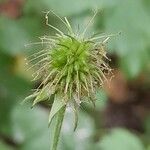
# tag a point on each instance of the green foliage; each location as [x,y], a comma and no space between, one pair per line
[56,130]
[58,104]
[28,127]
[120,139]
[5,147]
[8,31]
[132,46]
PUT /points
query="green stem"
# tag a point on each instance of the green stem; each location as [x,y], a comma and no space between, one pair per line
[57,128]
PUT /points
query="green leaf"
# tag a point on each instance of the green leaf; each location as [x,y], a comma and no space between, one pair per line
[148,148]
[56,128]
[30,97]
[75,118]
[13,36]
[101,99]
[5,147]
[120,139]
[30,127]
[131,64]
[147,126]
[56,106]
[13,89]
[41,96]
[133,43]
[75,7]
[83,135]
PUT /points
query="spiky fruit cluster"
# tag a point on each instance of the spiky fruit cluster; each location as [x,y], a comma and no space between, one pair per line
[70,66]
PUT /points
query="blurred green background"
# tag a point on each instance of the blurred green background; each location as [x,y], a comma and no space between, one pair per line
[121,119]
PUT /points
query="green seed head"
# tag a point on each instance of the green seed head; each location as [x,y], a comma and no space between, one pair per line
[71,66]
